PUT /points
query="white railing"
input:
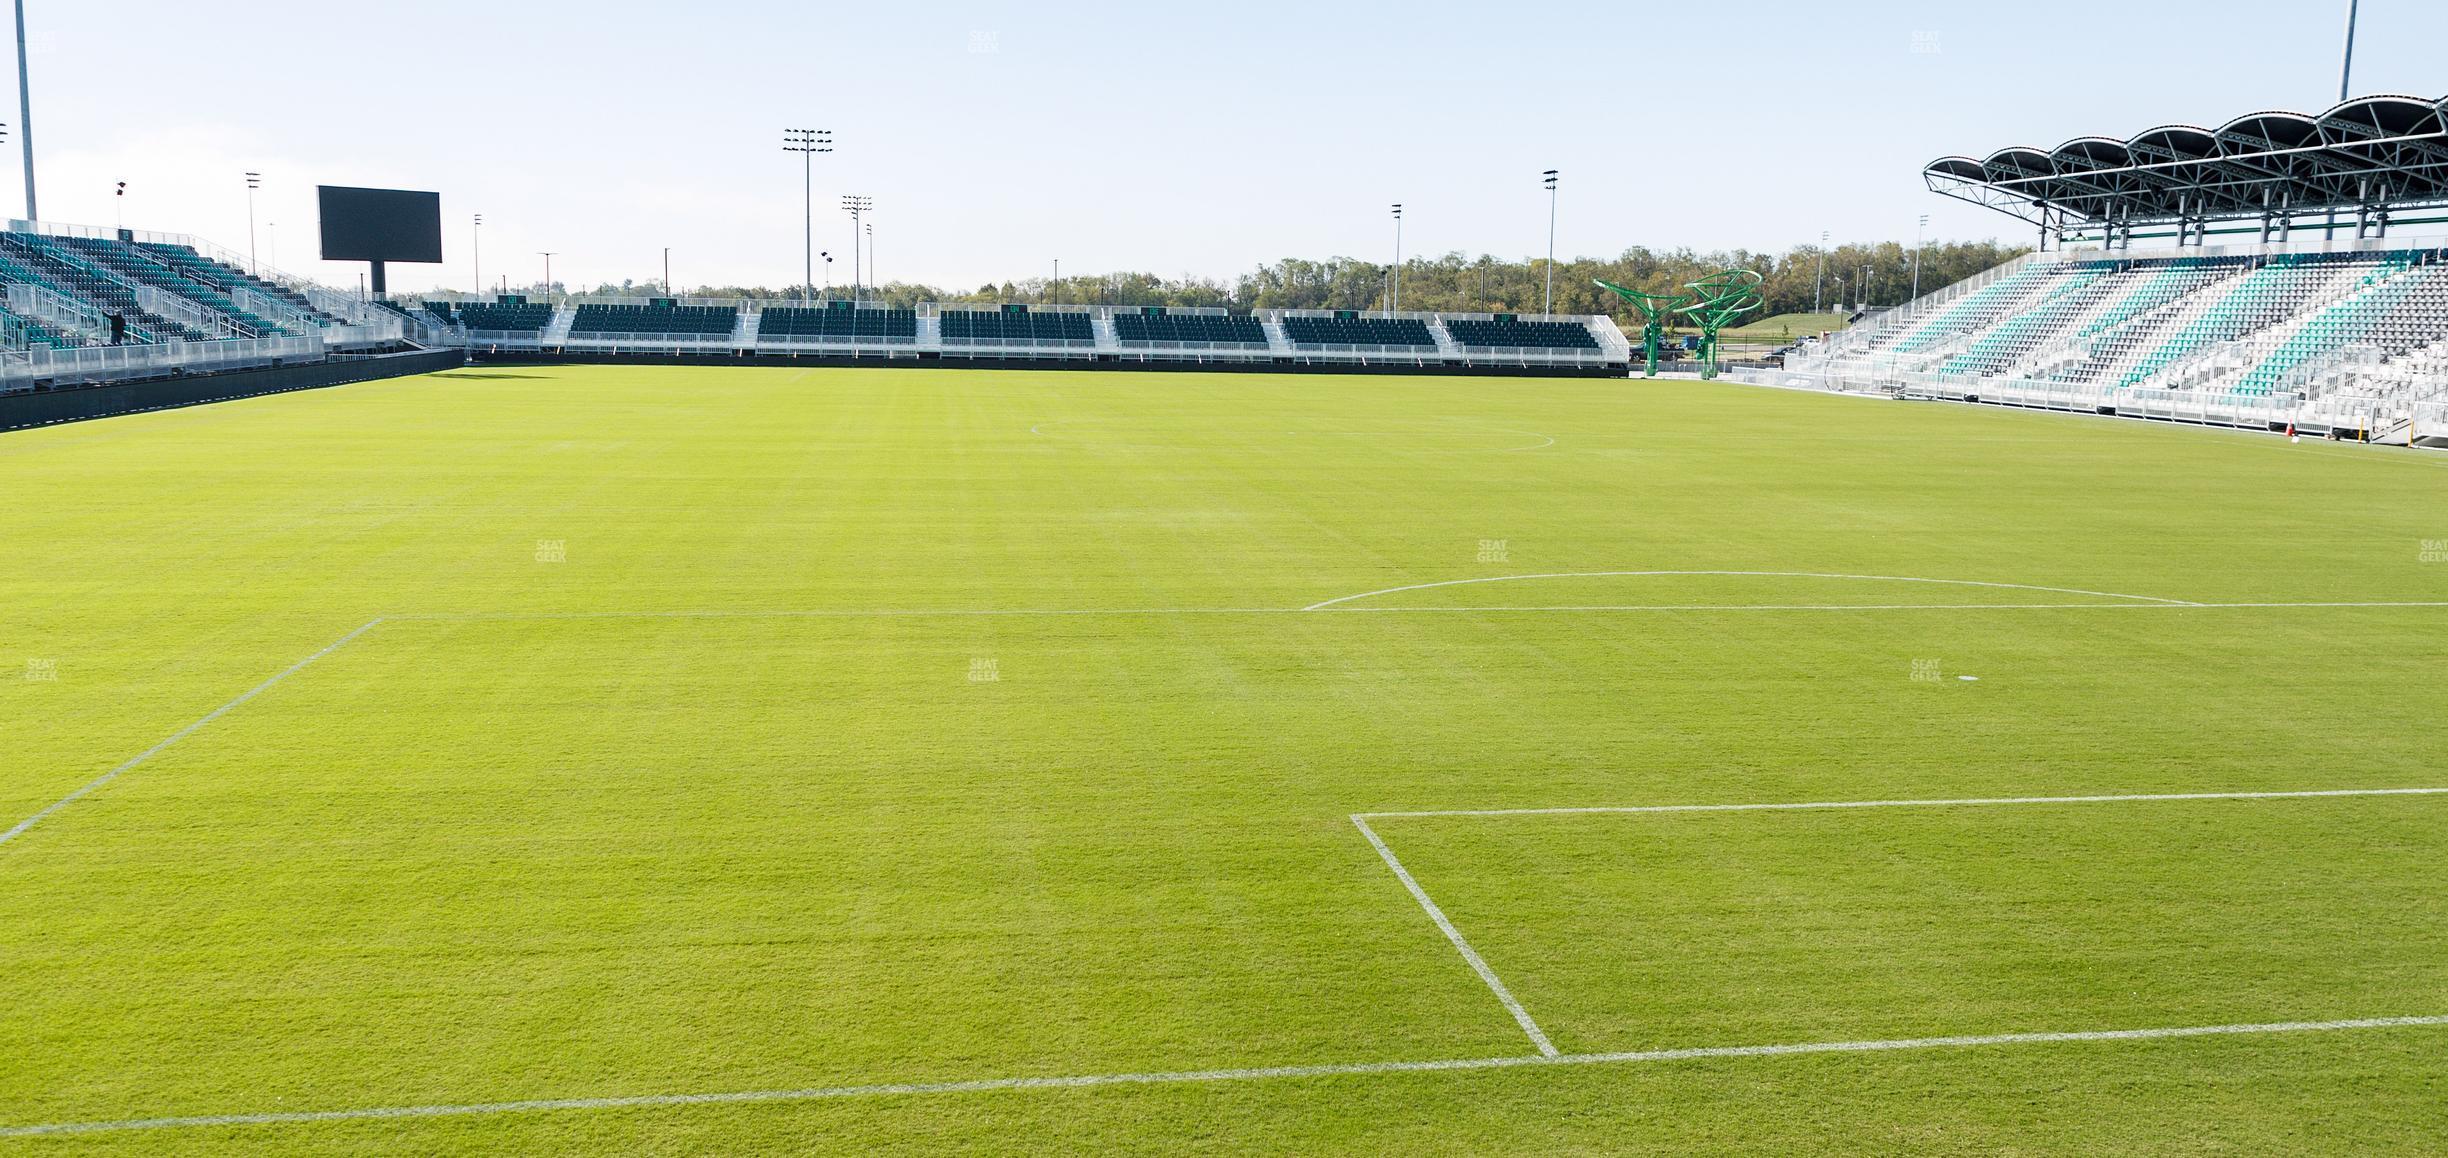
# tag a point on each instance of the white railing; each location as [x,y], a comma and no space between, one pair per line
[644,339]
[161,302]
[57,310]
[20,369]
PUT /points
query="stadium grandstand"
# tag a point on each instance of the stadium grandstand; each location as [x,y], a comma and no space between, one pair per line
[87,306]
[2271,294]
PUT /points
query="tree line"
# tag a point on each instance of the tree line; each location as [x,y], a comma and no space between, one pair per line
[1845,277]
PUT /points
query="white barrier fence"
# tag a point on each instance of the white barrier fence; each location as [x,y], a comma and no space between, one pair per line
[23,369]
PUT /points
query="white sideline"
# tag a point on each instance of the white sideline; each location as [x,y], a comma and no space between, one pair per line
[183,733]
[1701,1053]
[1940,803]
[1742,574]
[1059,612]
[1479,965]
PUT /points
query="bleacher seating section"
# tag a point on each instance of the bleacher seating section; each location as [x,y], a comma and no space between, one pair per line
[1144,329]
[1315,331]
[1521,335]
[80,283]
[1014,327]
[506,319]
[689,321]
[2282,323]
[837,323]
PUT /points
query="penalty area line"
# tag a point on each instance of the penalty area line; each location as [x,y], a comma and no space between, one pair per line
[185,732]
[1478,964]
[1517,1061]
[1822,805]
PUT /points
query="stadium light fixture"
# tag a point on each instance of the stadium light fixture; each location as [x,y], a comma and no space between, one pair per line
[476,248]
[667,289]
[1918,258]
[1549,178]
[856,205]
[1819,280]
[254,181]
[25,114]
[1917,232]
[1394,274]
[807,143]
[2345,86]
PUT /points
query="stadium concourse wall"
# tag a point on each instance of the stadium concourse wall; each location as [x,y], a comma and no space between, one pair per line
[1423,366]
[77,403]
[1043,337]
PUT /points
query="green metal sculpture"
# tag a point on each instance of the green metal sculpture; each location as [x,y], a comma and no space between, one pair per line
[1710,302]
[1722,298]
[1655,311]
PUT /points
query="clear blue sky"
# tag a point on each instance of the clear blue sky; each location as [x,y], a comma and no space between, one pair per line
[1167,137]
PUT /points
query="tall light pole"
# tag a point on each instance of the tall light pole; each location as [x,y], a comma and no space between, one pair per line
[254,181]
[1056,285]
[1917,232]
[807,143]
[476,247]
[25,114]
[1819,281]
[667,290]
[548,256]
[2345,82]
[856,206]
[871,262]
[2345,70]
[1550,178]
[1394,275]
[827,255]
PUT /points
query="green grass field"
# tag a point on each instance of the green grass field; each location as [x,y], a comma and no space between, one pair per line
[1784,328]
[737,731]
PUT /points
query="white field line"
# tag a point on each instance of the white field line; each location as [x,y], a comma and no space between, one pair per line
[1479,965]
[1967,802]
[1743,574]
[1058,612]
[185,732]
[1545,440]
[1516,1061]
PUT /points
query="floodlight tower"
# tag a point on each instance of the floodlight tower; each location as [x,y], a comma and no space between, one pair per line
[856,205]
[476,247]
[807,143]
[2345,83]
[1819,280]
[1549,179]
[25,114]
[1394,275]
[1917,232]
[254,181]
[548,283]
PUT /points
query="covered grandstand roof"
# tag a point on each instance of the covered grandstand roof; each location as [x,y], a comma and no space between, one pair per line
[2373,153]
